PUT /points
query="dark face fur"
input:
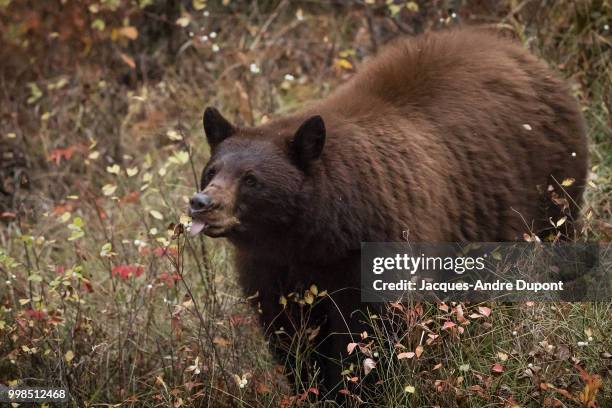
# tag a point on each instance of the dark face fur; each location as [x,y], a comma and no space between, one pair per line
[252,183]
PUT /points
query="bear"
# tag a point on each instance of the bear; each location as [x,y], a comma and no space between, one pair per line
[454,136]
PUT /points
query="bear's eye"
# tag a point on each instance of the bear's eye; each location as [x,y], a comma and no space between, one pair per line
[210,174]
[249,179]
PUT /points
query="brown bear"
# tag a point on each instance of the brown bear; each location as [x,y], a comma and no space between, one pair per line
[448,137]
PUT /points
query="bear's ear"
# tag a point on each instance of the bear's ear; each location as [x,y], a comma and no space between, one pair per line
[216,127]
[308,142]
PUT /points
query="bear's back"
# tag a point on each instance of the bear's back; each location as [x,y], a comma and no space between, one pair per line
[455,136]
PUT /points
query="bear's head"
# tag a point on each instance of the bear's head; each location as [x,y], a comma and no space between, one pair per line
[253,183]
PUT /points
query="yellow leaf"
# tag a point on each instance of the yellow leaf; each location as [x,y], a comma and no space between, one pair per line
[94,155]
[24,301]
[283,301]
[65,217]
[198,4]
[342,63]
[314,290]
[183,21]
[156,214]
[69,356]
[109,189]
[131,171]
[561,222]
[180,157]
[114,169]
[568,182]
[184,219]
[174,135]
[409,389]
[308,298]
[412,6]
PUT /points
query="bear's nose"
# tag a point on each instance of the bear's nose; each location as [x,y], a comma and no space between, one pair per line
[200,202]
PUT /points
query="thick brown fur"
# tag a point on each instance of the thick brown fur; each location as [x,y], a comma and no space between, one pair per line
[451,136]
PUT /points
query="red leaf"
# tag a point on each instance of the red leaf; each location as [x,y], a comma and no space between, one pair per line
[125,271]
[57,155]
[169,279]
[497,368]
[170,251]
[62,208]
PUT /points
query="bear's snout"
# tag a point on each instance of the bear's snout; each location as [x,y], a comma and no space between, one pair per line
[201,202]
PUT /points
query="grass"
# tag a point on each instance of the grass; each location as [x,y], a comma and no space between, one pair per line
[100,293]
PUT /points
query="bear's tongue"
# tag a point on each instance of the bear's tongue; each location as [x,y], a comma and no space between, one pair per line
[196,227]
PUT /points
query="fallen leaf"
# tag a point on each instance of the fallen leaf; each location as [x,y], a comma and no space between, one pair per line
[350,347]
[368,365]
[485,311]
[448,325]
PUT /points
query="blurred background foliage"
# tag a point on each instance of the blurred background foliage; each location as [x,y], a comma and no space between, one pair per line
[100,146]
